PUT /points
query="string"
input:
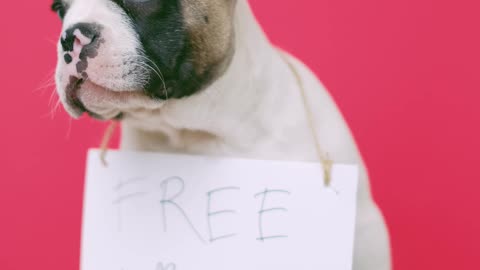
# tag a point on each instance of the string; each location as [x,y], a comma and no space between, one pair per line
[107,136]
[324,158]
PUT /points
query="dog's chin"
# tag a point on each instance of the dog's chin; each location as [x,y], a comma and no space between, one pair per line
[103,103]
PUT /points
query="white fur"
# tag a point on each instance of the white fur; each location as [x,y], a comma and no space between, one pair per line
[254,110]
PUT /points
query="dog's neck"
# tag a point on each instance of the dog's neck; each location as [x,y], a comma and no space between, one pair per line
[241,106]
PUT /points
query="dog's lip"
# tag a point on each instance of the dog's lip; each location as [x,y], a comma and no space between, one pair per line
[73,100]
[77,108]
[81,95]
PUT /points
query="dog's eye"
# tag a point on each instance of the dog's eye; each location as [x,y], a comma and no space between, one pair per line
[59,8]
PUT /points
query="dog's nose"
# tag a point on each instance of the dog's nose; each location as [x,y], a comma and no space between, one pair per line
[79,36]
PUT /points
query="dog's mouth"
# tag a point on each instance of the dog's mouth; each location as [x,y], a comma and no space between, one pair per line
[73,100]
[82,95]
[76,105]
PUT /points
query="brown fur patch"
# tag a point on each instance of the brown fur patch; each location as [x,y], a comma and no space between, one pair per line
[209,24]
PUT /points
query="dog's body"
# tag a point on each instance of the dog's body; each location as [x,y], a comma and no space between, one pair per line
[251,107]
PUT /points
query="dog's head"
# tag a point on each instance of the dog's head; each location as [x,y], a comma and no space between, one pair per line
[117,56]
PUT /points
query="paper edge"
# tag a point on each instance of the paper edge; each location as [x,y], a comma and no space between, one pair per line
[96,151]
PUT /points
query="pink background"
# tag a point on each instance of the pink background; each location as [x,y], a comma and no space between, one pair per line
[405,73]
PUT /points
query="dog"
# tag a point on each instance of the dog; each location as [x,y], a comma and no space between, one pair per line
[201,77]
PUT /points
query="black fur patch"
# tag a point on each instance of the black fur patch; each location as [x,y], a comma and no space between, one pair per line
[68,58]
[165,40]
[71,92]
[60,8]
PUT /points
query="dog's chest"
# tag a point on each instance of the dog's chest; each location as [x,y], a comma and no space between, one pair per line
[275,145]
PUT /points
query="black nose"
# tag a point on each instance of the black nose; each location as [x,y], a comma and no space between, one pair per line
[80,33]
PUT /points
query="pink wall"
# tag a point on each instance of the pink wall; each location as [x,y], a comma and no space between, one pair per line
[405,73]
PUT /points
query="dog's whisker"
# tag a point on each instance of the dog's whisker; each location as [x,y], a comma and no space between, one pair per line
[47,82]
[154,68]
[146,63]
[53,107]
[44,87]
[52,96]
[69,129]
[148,67]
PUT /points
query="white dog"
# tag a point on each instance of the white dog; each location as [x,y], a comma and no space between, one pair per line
[200,77]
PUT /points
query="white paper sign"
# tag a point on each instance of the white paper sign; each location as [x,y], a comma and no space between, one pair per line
[150,211]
